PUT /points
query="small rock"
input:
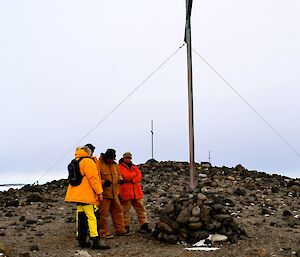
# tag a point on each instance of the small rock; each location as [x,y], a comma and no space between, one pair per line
[196,211]
[205,165]
[218,238]
[200,234]
[5,249]
[205,211]
[9,214]
[34,247]
[240,192]
[229,202]
[221,217]
[24,254]
[147,190]
[194,219]
[184,216]
[214,184]
[22,218]
[287,213]
[169,208]
[213,225]
[170,239]
[169,221]
[265,211]
[165,227]
[34,198]
[31,221]
[39,233]
[275,190]
[239,168]
[295,188]
[230,178]
[218,208]
[201,196]
[83,253]
[195,226]
[12,203]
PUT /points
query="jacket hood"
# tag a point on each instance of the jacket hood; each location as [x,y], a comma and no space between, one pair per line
[128,165]
[81,153]
[102,159]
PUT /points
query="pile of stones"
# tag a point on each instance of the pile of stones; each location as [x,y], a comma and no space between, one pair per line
[194,216]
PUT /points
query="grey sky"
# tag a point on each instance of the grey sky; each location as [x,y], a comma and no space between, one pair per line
[65,64]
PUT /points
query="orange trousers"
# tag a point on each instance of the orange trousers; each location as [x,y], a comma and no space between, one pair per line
[139,207]
[114,207]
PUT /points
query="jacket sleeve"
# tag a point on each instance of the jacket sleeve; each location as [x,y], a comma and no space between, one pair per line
[100,172]
[120,177]
[138,177]
[91,172]
[127,174]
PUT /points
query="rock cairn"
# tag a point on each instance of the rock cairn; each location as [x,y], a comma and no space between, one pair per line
[194,216]
[223,198]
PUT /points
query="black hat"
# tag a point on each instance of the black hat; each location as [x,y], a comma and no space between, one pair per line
[110,154]
[91,147]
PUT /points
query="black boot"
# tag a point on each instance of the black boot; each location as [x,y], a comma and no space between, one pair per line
[145,228]
[99,244]
[127,228]
[84,244]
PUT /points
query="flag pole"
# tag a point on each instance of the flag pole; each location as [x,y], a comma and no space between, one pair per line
[188,41]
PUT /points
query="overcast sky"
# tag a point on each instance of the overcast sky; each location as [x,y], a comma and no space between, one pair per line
[65,64]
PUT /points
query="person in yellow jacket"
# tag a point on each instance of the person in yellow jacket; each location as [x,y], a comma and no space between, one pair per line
[111,178]
[87,196]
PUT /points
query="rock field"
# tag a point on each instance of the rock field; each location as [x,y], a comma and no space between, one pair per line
[249,213]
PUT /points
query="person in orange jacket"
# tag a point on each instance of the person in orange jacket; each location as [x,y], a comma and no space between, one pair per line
[87,196]
[131,192]
[111,178]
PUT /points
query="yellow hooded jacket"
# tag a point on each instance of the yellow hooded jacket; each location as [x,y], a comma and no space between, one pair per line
[90,186]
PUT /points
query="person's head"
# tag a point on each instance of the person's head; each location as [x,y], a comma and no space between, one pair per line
[110,156]
[91,147]
[86,149]
[127,157]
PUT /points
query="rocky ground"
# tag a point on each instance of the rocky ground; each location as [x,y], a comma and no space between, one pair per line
[258,213]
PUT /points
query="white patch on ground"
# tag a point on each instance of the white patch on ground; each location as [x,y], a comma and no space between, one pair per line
[201,246]
[83,253]
[206,249]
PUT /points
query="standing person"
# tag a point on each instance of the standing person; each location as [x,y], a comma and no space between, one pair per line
[92,149]
[111,178]
[97,211]
[131,193]
[87,194]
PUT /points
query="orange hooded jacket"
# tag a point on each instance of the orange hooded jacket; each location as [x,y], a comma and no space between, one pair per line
[90,186]
[110,173]
[131,189]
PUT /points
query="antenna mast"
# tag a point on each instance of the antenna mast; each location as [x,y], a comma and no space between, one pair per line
[188,41]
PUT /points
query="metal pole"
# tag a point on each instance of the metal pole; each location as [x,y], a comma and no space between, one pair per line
[152,133]
[190,94]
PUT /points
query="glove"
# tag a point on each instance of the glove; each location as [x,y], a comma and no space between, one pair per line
[121,182]
[100,197]
[107,183]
